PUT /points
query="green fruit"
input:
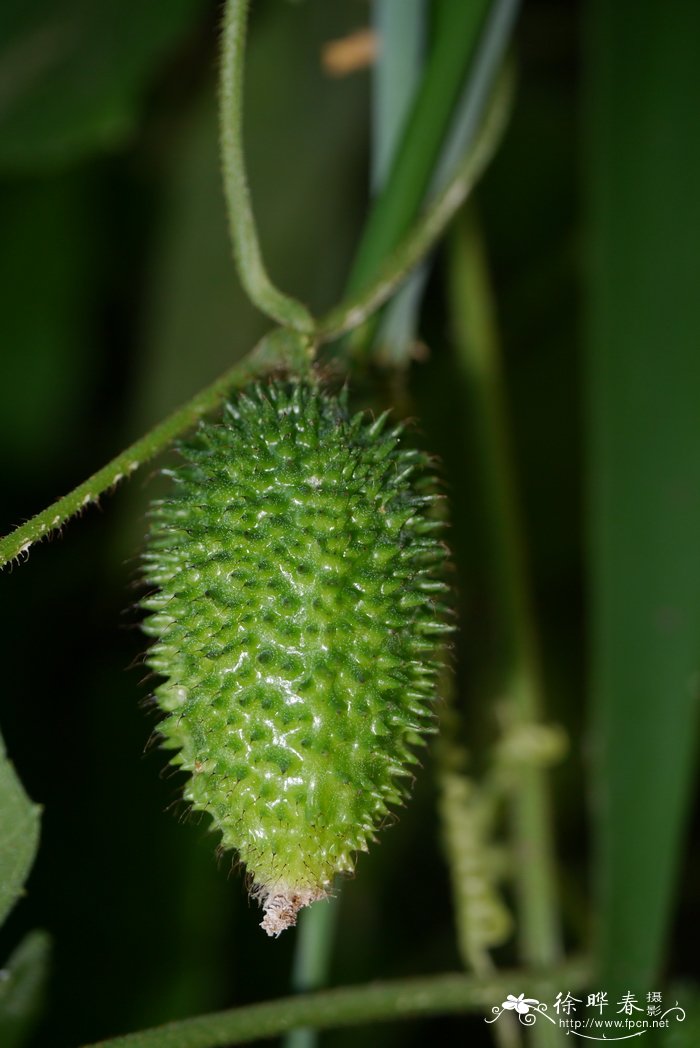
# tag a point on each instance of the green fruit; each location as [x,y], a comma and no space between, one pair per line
[297,570]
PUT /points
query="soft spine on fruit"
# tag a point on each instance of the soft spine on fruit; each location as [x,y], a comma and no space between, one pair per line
[296,575]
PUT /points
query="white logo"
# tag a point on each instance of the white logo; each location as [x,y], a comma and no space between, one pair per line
[631,1019]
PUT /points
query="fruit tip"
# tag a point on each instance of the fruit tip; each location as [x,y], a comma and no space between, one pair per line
[281,906]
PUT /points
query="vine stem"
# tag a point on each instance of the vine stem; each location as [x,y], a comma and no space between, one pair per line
[285,310]
[479,360]
[276,350]
[401,999]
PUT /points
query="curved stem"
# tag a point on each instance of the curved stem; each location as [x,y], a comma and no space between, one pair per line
[428,229]
[246,247]
[402,999]
[276,350]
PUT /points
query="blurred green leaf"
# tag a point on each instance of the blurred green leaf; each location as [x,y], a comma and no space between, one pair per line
[72,72]
[22,983]
[47,311]
[19,835]
[643,82]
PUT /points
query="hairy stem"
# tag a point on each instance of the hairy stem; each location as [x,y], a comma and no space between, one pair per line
[477,346]
[279,349]
[404,999]
[246,247]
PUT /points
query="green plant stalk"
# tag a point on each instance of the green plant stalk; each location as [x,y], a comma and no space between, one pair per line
[389,1001]
[457,28]
[312,957]
[285,310]
[313,949]
[279,349]
[478,358]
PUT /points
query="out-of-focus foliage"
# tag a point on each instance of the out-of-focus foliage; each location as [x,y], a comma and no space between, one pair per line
[47,309]
[644,465]
[19,835]
[21,989]
[73,73]
[23,976]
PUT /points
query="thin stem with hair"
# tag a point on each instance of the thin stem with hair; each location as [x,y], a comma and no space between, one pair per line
[285,310]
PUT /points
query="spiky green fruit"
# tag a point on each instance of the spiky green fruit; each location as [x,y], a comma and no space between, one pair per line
[297,570]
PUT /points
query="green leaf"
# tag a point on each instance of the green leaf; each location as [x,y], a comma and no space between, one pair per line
[643,463]
[73,73]
[22,983]
[19,835]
